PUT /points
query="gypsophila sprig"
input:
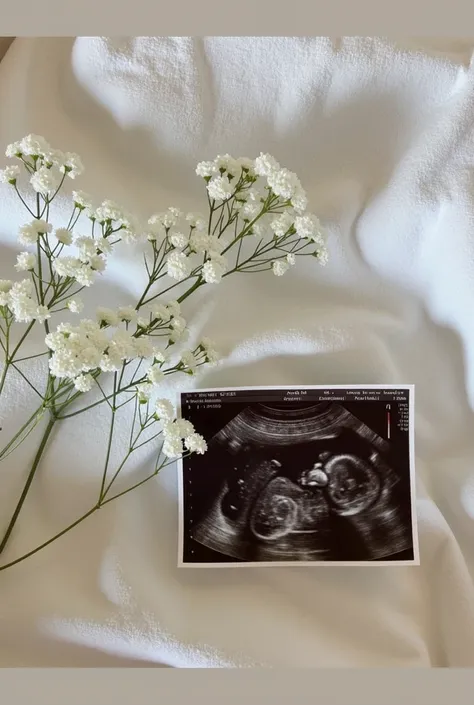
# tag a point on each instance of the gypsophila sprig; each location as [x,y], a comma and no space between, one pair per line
[122,357]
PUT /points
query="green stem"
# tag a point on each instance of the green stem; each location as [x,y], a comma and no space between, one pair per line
[4,376]
[83,517]
[33,417]
[46,543]
[109,443]
[27,486]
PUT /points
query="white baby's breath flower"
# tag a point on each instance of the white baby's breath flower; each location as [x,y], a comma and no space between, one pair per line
[220,188]
[160,312]
[156,227]
[86,246]
[197,221]
[98,263]
[178,324]
[164,410]
[206,169]
[174,308]
[63,235]
[105,316]
[227,163]
[130,236]
[22,288]
[159,355]
[25,262]
[214,269]
[195,443]
[171,429]
[251,210]
[283,183]
[75,305]
[212,356]
[206,343]
[323,256]
[82,200]
[171,217]
[72,165]
[308,226]
[255,194]
[207,346]
[90,358]
[5,285]
[21,303]
[155,374]
[109,210]
[84,275]
[279,267]
[34,145]
[265,165]
[176,336]
[45,181]
[183,428]
[261,229]
[54,157]
[189,361]
[143,321]
[127,314]
[24,309]
[29,233]
[10,174]
[291,258]
[55,340]
[144,392]
[282,224]
[172,447]
[199,242]
[84,383]
[14,150]
[247,165]
[143,346]
[122,345]
[179,240]
[110,363]
[103,245]
[66,266]
[179,266]
[42,314]
[299,200]
[64,363]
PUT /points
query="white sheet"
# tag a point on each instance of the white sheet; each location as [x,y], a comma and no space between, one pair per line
[382,138]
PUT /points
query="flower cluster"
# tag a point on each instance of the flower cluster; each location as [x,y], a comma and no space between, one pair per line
[47,167]
[88,346]
[255,189]
[257,222]
[90,261]
[179,436]
[18,297]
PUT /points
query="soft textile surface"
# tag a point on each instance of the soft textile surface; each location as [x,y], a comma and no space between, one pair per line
[382,138]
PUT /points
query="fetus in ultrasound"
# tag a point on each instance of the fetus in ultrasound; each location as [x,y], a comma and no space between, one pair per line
[330,496]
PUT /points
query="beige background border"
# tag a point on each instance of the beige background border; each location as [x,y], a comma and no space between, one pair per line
[258,17]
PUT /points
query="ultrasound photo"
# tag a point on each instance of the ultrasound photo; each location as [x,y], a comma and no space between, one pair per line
[299,476]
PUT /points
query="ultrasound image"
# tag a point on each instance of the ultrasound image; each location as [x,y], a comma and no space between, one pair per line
[309,483]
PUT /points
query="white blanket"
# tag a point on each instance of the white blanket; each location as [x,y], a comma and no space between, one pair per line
[382,138]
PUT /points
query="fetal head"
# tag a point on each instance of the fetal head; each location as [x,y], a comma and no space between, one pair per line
[276,511]
[353,484]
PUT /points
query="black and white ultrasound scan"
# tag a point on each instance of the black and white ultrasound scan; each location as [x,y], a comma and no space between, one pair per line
[299,476]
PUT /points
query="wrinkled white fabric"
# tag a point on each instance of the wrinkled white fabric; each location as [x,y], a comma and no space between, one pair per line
[381,136]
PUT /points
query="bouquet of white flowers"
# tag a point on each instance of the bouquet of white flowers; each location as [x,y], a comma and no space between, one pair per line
[256,221]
